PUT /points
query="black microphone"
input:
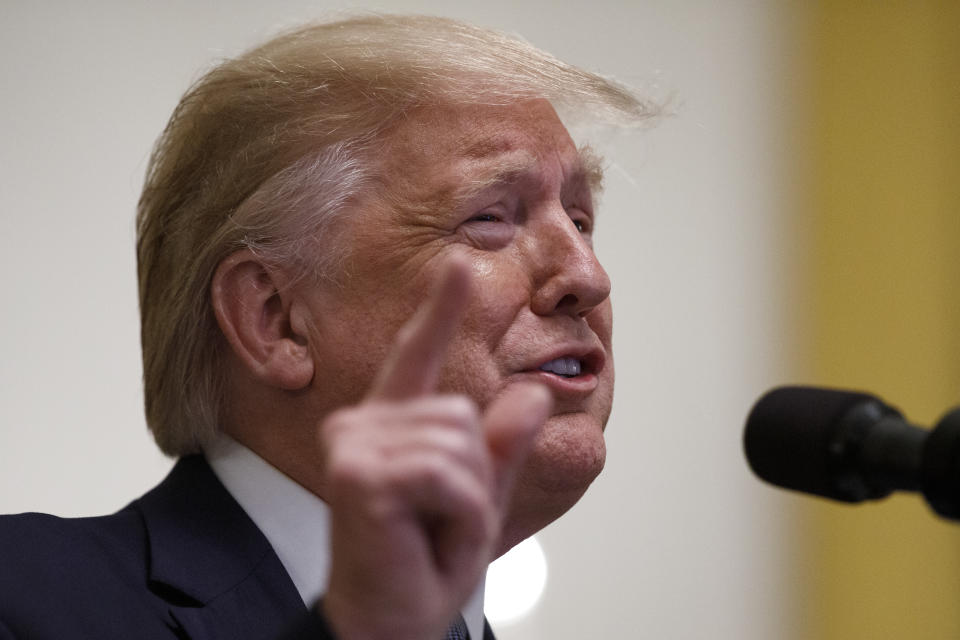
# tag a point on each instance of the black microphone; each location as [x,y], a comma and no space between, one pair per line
[851,446]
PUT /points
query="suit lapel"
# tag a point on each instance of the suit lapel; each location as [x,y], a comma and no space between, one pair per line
[216,570]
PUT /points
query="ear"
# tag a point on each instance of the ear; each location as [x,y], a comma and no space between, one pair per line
[254,312]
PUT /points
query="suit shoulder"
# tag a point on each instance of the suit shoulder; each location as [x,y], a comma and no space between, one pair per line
[94,569]
[46,548]
[49,529]
[47,558]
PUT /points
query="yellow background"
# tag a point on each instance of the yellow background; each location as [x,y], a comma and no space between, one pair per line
[883,212]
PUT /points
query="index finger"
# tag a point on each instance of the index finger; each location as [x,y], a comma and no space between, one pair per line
[412,367]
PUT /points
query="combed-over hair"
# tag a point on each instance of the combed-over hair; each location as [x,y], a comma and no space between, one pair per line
[265,150]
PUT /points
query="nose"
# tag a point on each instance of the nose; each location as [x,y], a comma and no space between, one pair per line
[569,279]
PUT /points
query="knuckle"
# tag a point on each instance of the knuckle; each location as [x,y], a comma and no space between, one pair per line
[347,471]
[434,470]
[479,502]
[461,409]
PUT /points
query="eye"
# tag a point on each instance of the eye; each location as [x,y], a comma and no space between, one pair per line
[490,228]
[581,221]
[486,217]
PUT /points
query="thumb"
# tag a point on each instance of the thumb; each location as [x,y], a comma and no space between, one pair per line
[510,425]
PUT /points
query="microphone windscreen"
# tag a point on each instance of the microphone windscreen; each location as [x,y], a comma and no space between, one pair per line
[789,434]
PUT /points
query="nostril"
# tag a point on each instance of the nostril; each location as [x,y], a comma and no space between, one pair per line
[567,301]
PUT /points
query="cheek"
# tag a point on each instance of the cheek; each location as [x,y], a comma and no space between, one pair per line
[344,367]
[478,360]
[500,278]
[498,296]
[601,321]
[348,346]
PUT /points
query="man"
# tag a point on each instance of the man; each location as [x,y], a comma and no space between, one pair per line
[374,331]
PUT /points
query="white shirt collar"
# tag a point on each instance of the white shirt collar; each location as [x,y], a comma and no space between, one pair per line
[294,521]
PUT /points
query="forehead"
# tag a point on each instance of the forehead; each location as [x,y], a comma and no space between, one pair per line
[457,144]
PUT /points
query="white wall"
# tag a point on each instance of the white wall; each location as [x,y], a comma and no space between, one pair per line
[675,540]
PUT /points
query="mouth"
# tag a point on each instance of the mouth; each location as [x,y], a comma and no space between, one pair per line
[573,374]
[565,367]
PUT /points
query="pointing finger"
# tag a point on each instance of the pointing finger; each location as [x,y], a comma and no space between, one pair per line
[413,365]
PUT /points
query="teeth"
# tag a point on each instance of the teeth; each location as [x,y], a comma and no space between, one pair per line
[562,367]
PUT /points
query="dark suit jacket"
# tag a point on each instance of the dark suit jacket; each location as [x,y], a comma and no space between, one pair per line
[183,561]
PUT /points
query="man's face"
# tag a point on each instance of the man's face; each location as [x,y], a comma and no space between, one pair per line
[507,188]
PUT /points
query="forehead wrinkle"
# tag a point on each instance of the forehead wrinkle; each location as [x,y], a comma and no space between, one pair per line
[458,189]
[587,172]
[488,162]
[486,146]
[503,171]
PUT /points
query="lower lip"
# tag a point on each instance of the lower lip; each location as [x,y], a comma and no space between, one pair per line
[581,385]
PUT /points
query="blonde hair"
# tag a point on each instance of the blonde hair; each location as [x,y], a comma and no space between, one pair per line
[265,150]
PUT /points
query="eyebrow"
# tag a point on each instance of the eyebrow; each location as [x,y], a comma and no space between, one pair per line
[590,168]
[587,171]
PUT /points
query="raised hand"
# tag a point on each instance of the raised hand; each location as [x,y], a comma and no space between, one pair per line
[418,482]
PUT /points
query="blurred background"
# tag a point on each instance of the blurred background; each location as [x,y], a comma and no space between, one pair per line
[795,218]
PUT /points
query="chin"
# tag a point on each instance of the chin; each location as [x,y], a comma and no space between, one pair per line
[566,458]
[567,455]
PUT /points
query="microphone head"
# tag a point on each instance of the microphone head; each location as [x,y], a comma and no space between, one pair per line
[795,438]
